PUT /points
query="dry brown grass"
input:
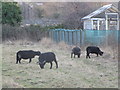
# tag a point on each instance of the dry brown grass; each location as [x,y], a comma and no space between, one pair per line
[110,52]
[47,42]
[97,72]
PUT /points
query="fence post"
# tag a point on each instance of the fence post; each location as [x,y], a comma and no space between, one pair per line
[64,37]
[81,32]
[58,36]
[67,37]
[52,35]
[72,38]
[76,37]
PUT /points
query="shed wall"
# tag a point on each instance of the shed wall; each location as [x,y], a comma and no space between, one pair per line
[87,24]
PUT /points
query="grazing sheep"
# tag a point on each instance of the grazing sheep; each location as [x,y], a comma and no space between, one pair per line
[26,54]
[93,49]
[47,57]
[76,51]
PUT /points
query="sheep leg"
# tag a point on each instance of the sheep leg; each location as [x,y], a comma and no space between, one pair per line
[97,54]
[56,63]
[87,55]
[30,60]
[19,60]
[71,55]
[51,65]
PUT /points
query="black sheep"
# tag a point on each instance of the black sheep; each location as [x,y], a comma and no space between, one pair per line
[76,51]
[47,57]
[26,54]
[93,49]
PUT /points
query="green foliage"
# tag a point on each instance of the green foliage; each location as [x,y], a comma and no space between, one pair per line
[11,13]
[54,27]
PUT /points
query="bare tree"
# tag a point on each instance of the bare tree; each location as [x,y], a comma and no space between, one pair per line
[79,10]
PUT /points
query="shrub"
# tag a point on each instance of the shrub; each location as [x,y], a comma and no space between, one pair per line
[11,13]
[32,32]
[55,26]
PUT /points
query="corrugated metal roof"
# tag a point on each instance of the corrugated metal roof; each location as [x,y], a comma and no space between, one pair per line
[101,10]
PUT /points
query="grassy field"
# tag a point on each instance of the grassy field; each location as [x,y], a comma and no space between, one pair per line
[97,72]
